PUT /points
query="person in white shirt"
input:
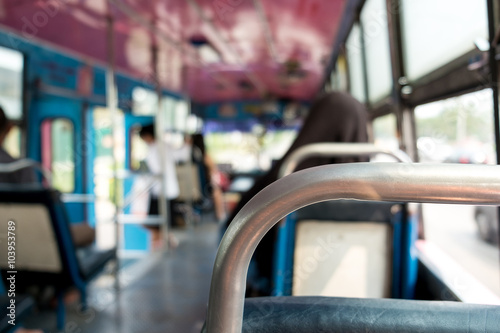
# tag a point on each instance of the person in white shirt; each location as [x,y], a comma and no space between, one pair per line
[153,162]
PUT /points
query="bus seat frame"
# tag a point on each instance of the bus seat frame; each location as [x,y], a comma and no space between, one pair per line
[423,183]
[404,234]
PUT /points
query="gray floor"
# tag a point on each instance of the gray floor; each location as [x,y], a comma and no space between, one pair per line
[163,293]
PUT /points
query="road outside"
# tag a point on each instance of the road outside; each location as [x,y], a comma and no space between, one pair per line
[452,228]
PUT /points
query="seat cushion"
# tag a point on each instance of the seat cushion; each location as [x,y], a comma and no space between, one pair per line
[329,315]
[92,260]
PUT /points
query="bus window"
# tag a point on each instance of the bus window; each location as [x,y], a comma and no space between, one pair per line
[249,151]
[145,102]
[460,130]
[238,149]
[378,57]
[138,150]
[385,132]
[436,32]
[341,74]
[181,115]
[168,112]
[355,64]
[457,130]
[274,145]
[58,152]
[11,82]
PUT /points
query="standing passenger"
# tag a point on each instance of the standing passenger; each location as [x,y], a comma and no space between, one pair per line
[153,162]
[334,117]
[210,172]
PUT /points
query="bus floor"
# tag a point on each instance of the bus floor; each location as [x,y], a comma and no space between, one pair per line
[165,292]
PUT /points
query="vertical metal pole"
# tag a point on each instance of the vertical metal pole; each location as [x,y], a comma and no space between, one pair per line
[364,61]
[398,73]
[160,141]
[492,30]
[112,106]
[189,164]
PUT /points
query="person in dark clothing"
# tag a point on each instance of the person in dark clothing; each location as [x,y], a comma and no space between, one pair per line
[26,175]
[334,117]
[83,235]
[210,186]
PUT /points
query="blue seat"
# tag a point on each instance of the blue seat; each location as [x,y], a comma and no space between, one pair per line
[330,315]
[380,234]
[45,253]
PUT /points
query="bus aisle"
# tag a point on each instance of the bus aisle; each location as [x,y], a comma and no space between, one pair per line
[162,293]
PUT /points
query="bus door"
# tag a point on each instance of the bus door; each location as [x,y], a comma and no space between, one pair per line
[56,139]
[105,153]
[135,237]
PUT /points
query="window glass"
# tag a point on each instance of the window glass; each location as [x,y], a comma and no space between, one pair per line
[12,143]
[436,32]
[378,55]
[58,153]
[245,151]
[145,102]
[332,85]
[139,150]
[168,112]
[460,130]
[385,132]
[11,82]
[109,139]
[355,62]
[181,115]
[341,74]
[194,124]
[457,130]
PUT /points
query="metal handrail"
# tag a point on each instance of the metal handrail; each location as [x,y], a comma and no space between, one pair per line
[125,174]
[402,182]
[337,150]
[133,196]
[78,198]
[24,164]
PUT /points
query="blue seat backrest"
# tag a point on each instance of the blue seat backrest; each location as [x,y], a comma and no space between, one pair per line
[50,199]
[403,228]
[349,211]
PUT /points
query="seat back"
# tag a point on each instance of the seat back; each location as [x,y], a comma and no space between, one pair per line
[345,249]
[34,239]
[189,182]
[44,247]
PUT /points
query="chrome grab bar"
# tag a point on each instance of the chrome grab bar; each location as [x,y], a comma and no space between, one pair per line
[425,183]
[124,174]
[78,198]
[337,150]
[24,164]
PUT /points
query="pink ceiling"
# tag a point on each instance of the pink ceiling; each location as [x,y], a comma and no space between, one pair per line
[268,47]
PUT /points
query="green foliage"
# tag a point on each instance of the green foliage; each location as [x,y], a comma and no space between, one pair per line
[454,122]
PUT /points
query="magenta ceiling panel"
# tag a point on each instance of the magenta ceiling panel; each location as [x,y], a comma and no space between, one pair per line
[276,48]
